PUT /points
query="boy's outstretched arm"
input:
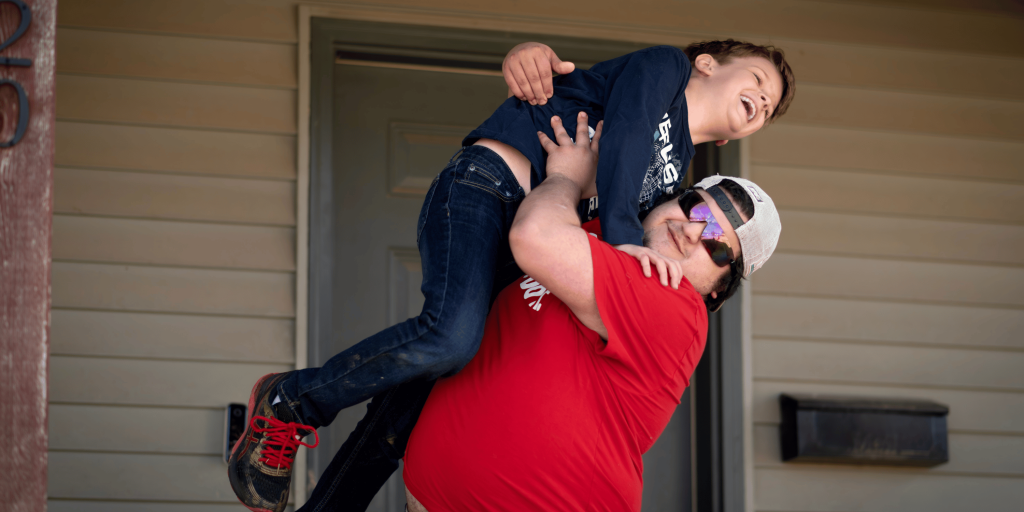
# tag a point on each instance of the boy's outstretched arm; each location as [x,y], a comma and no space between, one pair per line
[528,70]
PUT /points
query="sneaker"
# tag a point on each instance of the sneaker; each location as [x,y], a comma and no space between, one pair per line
[260,467]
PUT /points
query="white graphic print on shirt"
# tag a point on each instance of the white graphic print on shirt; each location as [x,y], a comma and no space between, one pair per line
[533,289]
[663,172]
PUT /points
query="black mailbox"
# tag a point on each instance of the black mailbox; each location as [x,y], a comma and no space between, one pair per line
[853,430]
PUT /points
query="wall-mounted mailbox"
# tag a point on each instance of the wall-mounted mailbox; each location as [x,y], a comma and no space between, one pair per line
[852,430]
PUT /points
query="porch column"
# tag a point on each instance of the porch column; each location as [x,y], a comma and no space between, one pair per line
[27,30]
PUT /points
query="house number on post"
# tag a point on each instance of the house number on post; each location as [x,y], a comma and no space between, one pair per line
[26,19]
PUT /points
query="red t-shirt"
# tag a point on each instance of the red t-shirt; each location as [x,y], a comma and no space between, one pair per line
[549,417]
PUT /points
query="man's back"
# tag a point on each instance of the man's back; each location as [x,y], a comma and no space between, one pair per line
[547,416]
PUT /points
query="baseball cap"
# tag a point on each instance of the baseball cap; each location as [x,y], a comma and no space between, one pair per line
[760,234]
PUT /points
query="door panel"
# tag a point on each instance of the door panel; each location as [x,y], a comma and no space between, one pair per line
[394,130]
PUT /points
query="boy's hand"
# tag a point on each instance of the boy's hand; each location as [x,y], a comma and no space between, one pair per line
[578,162]
[669,270]
[527,69]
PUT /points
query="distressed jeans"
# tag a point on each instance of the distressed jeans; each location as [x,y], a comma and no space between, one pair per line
[462,236]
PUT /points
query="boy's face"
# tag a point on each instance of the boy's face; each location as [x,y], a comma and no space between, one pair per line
[743,93]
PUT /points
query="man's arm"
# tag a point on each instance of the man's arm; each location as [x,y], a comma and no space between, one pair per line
[546,238]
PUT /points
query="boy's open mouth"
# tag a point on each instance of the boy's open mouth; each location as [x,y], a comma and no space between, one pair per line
[748,104]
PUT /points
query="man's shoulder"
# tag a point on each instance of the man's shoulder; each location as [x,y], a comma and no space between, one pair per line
[619,269]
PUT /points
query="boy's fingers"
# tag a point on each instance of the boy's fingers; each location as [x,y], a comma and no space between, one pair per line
[510,79]
[564,68]
[662,273]
[532,71]
[546,74]
[597,135]
[676,273]
[522,81]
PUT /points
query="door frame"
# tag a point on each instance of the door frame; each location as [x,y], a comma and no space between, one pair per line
[721,383]
[314,230]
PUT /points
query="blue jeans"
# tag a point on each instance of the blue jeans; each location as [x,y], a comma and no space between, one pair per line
[463,241]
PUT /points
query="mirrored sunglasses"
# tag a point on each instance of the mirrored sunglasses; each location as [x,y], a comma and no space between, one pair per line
[713,236]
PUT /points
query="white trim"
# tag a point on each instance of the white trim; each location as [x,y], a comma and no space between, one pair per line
[746,334]
[458,18]
[302,236]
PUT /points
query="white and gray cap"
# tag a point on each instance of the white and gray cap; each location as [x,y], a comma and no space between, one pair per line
[760,234]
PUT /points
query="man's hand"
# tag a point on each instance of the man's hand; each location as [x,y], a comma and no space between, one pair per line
[527,69]
[578,162]
[669,270]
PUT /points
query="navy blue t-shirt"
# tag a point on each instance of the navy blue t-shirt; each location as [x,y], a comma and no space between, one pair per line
[645,147]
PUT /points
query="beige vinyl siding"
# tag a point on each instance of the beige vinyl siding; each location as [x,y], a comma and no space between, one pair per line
[899,273]
[900,270]
[173,246]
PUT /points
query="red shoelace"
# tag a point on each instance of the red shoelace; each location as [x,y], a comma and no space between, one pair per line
[282,440]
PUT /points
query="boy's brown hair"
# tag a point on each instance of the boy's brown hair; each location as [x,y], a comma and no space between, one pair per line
[723,51]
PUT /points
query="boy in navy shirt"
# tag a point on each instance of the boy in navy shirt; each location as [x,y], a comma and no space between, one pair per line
[654,105]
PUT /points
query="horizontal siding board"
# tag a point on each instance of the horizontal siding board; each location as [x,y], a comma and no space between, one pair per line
[855,362]
[890,236]
[842,191]
[151,242]
[974,411]
[256,20]
[92,380]
[136,429]
[173,197]
[173,290]
[907,70]
[162,336]
[176,58]
[802,20]
[844,489]
[817,62]
[821,147]
[796,274]
[175,150]
[968,453]
[906,112]
[139,477]
[837,22]
[118,100]
[850,22]
[835,319]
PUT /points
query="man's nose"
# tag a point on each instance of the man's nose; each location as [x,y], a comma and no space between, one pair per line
[692,230]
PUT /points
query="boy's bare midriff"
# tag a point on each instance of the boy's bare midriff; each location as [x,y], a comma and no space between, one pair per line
[515,160]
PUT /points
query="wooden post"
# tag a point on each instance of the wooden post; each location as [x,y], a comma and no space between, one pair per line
[26,215]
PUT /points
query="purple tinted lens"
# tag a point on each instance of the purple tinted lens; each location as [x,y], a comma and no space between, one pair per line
[701,213]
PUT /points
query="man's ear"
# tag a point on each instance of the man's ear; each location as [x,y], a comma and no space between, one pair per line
[714,295]
[721,142]
[705,64]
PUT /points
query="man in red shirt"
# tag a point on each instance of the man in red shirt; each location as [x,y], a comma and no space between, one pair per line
[585,358]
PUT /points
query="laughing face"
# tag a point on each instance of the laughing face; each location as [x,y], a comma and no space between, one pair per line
[743,94]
